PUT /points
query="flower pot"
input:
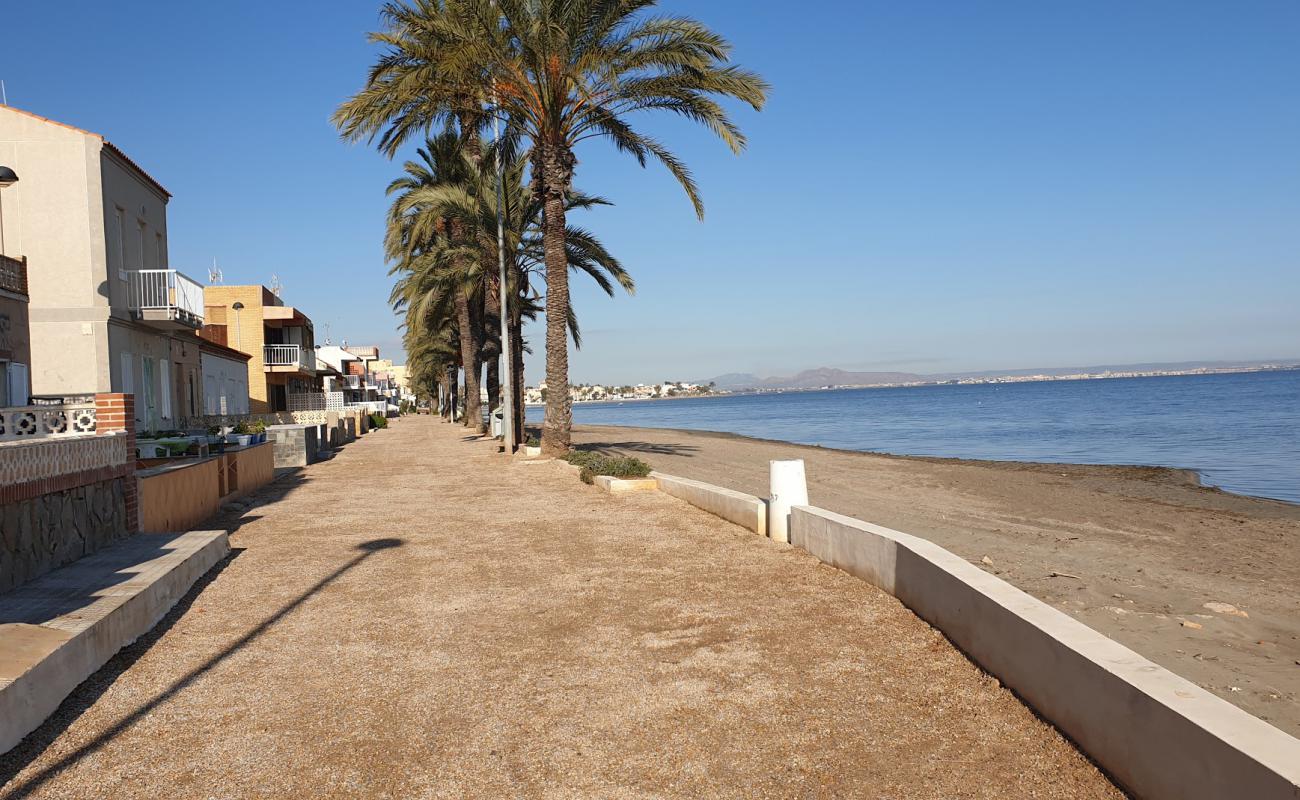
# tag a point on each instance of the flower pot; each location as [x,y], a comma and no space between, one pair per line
[241,439]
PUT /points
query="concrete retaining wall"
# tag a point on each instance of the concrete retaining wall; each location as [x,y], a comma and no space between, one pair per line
[58,630]
[745,510]
[1159,735]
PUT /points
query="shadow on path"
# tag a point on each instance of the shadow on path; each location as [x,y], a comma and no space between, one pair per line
[654,448]
[85,695]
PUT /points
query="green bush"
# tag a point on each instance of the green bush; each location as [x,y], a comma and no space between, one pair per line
[594,464]
[378,420]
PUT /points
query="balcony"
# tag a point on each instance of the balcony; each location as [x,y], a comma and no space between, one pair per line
[165,298]
[13,275]
[288,358]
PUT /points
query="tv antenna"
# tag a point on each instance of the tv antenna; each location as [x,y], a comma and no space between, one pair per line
[276,286]
[214,274]
[327,333]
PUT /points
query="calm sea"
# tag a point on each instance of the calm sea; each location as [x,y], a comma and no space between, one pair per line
[1239,431]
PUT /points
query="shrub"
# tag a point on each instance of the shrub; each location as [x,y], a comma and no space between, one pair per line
[593,464]
[533,441]
[378,420]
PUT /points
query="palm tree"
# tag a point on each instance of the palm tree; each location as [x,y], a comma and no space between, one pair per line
[568,70]
[563,71]
[439,252]
[471,204]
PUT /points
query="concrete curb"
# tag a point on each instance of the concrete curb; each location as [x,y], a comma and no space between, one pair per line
[745,510]
[624,485]
[48,645]
[1157,734]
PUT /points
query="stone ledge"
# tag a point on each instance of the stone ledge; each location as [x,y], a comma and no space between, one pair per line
[59,629]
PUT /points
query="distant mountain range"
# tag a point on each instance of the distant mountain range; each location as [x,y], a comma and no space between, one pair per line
[828,376]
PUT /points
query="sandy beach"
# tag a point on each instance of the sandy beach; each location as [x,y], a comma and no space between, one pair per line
[1203,582]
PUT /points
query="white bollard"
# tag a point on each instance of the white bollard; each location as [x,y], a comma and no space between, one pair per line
[787,488]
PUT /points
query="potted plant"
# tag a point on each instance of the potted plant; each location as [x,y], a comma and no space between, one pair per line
[216,438]
[242,435]
[258,428]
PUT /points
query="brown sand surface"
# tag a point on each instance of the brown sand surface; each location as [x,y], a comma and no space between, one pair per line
[1138,552]
[524,635]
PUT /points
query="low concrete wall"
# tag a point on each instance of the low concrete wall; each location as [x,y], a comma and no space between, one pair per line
[745,510]
[624,485]
[1159,735]
[294,445]
[179,497]
[53,640]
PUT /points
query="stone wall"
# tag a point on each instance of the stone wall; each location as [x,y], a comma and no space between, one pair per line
[63,497]
[295,445]
[45,532]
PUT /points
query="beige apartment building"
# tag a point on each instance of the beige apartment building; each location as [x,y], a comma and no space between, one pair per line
[107,314]
[280,340]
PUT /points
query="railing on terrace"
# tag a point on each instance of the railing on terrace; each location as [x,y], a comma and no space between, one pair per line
[174,294]
[26,423]
[13,274]
[315,401]
[289,355]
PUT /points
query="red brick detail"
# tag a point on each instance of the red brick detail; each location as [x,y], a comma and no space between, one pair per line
[61,483]
[115,411]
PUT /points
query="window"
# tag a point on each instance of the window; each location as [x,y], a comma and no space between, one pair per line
[118,241]
[161,255]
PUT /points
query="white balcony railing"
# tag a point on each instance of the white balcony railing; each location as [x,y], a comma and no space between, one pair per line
[25,423]
[289,355]
[165,292]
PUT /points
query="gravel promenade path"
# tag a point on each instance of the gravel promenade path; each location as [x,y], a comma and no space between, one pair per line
[421,617]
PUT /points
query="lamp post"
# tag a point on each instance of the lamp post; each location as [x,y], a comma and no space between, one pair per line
[507,395]
[7,178]
[239,331]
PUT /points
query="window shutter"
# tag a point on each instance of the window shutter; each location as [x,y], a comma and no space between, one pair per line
[128,380]
[165,366]
[18,384]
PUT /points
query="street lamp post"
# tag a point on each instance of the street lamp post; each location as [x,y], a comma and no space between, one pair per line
[239,331]
[7,178]
[507,395]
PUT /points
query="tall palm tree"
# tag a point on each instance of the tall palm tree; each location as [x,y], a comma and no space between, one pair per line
[563,71]
[569,70]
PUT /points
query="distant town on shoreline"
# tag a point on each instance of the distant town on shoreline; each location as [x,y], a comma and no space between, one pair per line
[827,378]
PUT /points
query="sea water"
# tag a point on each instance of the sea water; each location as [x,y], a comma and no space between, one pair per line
[1239,431]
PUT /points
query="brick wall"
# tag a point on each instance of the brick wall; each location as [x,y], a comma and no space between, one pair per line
[115,411]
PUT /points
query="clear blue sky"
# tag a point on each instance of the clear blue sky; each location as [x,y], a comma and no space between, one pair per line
[934,186]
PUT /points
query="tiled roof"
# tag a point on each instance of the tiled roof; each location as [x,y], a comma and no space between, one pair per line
[109,145]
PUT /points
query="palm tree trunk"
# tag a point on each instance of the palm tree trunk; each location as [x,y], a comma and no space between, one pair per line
[469,354]
[557,169]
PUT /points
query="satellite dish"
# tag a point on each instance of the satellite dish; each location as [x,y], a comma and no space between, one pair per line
[214,274]
[276,286]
